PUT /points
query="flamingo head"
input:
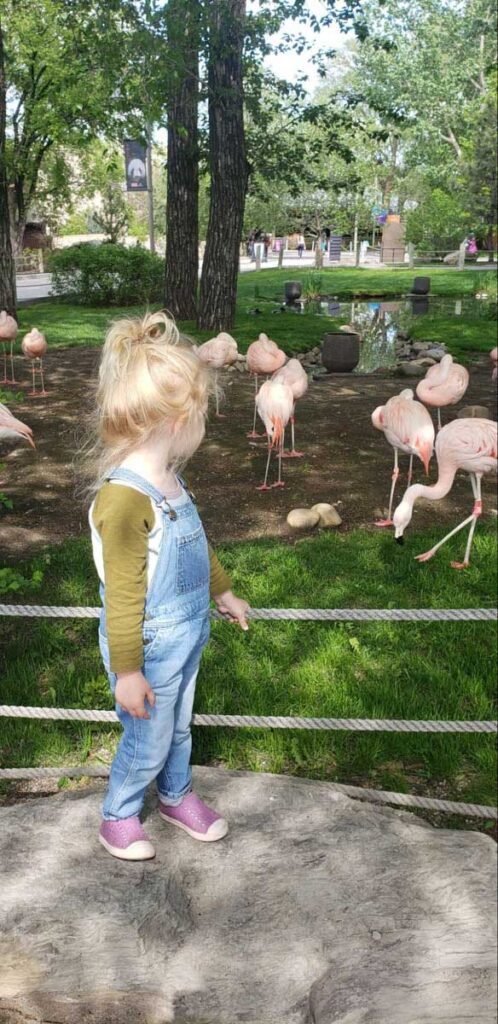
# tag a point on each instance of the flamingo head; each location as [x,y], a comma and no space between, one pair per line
[378,417]
[401,519]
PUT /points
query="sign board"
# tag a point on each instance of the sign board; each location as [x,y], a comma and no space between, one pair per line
[335,247]
[135,155]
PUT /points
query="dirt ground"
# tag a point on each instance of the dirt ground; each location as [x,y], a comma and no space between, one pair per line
[346,462]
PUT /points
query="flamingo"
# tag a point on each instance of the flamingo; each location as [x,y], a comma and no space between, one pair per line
[263,357]
[443,384]
[218,352]
[275,404]
[34,346]
[292,373]
[9,426]
[8,333]
[409,428]
[493,355]
[468,444]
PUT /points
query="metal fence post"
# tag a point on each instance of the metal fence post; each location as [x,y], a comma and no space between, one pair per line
[411,255]
[461,256]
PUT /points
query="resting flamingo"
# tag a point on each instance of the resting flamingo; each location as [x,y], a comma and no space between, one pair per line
[493,355]
[443,384]
[275,404]
[217,353]
[34,346]
[10,427]
[409,428]
[8,334]
[297,379]
[468,444]
[264,357]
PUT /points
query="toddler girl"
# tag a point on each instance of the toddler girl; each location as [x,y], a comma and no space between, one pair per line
[157,574]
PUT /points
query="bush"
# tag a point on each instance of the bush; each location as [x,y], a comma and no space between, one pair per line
[107,274]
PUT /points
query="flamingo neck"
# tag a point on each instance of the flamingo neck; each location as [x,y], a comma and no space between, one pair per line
[435,491]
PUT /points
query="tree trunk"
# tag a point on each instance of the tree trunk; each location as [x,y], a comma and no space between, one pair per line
[228,165]
[7,264]
[182,203]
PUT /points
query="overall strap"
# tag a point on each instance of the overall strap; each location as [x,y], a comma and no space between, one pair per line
[141,484]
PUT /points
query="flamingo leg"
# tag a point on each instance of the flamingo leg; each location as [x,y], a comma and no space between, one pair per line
[13,378]
[394,477]
[439,422]
[280,452]
[293,454]
[4,381]
[33,389]
[253,432]
[264,485]
[42,392]
[470,520]
[410,470]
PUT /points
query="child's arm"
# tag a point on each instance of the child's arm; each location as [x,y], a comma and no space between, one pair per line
[235,608]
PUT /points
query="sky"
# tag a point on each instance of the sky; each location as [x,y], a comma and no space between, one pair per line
[281,63]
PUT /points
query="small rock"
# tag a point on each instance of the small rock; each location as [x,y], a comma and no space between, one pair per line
[473,411]
[420,346]
[240,367]
[303,519]
[403,335]
[329,516]
[403,351]
[426,361]
[411,369]
[436,353]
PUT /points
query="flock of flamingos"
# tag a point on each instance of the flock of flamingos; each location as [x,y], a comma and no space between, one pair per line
[468,444]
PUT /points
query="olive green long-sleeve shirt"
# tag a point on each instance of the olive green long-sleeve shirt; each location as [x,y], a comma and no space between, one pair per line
[124,519]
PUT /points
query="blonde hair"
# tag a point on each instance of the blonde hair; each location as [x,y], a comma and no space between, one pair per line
[150,378]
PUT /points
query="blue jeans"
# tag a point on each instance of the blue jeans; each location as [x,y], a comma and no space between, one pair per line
[158,748]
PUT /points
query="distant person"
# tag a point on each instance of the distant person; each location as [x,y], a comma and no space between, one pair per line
[363,250]
[301,245]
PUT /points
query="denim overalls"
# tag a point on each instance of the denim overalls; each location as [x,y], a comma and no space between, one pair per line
[175,632]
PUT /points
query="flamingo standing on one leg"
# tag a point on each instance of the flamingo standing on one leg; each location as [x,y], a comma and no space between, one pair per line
[409,428]
[468,444]
[297,379]
[443,384]
[11,427]
[493,355]
[34,346]
[217,353]
[263,357]
[275,404]
[8,333]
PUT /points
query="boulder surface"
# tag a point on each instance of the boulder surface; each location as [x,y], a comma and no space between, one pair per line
[315,909]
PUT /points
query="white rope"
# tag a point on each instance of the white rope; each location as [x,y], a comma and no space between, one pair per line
[378,796]
[282,614]
[265,721]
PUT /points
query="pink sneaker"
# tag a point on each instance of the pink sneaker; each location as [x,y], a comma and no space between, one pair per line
[126,839]
[196,818]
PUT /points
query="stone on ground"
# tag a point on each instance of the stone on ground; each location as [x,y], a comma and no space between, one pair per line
[473,411]
[303,519]
[412,369]
[315,909]
[329,516]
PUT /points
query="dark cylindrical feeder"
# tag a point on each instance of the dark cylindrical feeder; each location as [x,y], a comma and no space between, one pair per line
[341,351]
[292,292]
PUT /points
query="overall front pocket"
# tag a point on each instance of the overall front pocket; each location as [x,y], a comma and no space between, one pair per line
[192,562]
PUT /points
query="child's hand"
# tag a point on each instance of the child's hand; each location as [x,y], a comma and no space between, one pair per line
[132,690]
[235,608]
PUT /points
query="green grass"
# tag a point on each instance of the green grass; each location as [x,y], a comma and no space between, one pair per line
[67,325]
[459,334]
[392,670]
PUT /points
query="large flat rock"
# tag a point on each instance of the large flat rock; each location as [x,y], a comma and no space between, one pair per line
[316,909]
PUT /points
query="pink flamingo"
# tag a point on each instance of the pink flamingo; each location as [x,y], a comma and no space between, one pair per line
[9,426]
[468,444]
[493,355]
[297,379]
[408,427]
[34,346]
[217,353]
[264,357]
[275,404]
[443,384]
[8,333]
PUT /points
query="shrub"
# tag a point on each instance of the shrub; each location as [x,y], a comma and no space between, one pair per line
[107,274]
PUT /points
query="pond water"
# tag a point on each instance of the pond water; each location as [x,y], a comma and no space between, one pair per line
[379,320]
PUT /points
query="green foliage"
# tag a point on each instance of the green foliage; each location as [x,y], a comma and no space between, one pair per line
[107,275]
[113,215]
[5,501]
[76,224]
[438,224]
[11,580]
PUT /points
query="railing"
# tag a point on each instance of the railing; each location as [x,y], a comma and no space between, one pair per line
[278,722]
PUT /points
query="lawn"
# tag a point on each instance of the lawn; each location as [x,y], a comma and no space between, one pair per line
[385,670]
[67,325]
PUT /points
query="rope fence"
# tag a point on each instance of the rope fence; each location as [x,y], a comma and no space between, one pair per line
[272,721]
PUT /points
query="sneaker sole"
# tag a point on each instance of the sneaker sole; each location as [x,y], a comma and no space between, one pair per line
[202,837]
[140,850]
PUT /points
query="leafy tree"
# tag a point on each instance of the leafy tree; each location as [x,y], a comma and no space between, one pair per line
[439,223]
[7,265]
[113,216]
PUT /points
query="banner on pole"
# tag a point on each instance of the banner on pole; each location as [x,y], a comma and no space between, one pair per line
[135,155]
